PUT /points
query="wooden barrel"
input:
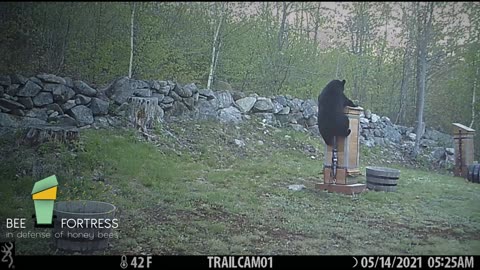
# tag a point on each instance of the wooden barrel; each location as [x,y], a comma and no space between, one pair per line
[71,236]
[382,179]
[473,174]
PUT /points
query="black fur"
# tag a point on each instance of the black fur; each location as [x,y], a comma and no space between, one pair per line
[332,121]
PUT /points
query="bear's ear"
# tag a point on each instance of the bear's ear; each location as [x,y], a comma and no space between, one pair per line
[343,81]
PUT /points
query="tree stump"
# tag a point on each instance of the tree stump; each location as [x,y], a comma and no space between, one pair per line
[144,112]
[39,134]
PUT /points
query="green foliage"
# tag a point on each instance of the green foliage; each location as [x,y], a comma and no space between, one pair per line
[91,41]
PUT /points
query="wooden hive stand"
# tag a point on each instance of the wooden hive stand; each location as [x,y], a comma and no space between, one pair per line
[463,145]
[348,154]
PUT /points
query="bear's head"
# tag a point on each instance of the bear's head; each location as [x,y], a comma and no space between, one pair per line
[339,84]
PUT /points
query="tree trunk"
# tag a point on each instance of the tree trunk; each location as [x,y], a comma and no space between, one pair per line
[216,60]
[64,46]
[282,26]
[400,119]
[474,97]
[214,54]
[423,38]
[131,42]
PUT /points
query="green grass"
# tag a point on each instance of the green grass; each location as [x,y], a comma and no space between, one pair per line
[194,191]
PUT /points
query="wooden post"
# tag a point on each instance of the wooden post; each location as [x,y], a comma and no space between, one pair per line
[348,159]
[463,145]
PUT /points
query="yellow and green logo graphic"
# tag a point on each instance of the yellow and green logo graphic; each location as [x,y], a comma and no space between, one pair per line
[44,194]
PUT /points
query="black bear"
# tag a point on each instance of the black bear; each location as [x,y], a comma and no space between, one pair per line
[332,121]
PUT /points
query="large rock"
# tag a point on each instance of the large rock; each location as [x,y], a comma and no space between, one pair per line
[3,109]
[18,79]
[267,118]
[10,104]
[68,105]
[8,120]
[364,121]
[69,82]
[295,104]
[123,88]
[157,85]
[42,99]
[206,109]
[54,107]
[392,134]
[99,107]
[166,107]
[178,109]
[30,89]
[297,127]
[368,114]
[159,97]
[167,100]
[309,110]
[82,99]
[18,112]
[281,100]
[230,115]
[285,118]
[225,99]
[49,87]
[206,93]
[443,139]
[189,102]
[175,96]
[62,93]
[277,107]
[122,109]
[185,91]
[312,121]
[51,78]
[379,141]
[26,101]
[263,105]
[314,130]
[284,111]
[35,80]
[165,90]
[13,89]
[5,80]
[81,87]
[367,142]
[82,114]
[246,103]
[438,153]
[40,113]
[139,84]
[66,120]
[238,95]
[144,92]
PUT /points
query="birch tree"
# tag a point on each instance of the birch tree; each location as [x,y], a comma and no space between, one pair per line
[131,41]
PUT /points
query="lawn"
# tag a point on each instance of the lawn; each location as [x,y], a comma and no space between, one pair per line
[193,190]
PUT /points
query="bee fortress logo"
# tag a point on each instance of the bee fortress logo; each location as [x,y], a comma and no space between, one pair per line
[8,252]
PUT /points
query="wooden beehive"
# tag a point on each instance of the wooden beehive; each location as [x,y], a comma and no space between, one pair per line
[463,145]
[347,152]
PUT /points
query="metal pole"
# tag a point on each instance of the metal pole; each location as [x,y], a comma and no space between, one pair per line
[334,160]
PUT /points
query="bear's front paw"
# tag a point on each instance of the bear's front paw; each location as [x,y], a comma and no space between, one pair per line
[349,131]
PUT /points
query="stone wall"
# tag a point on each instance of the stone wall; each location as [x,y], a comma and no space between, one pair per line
[48,99]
